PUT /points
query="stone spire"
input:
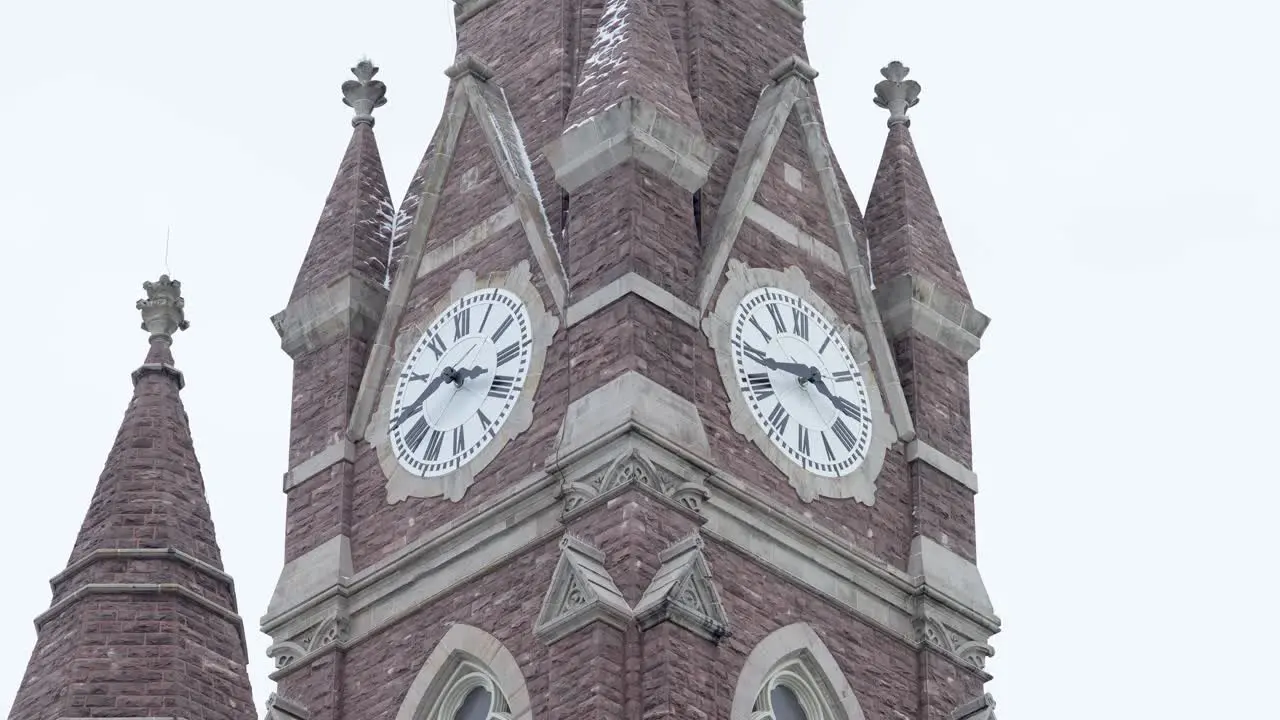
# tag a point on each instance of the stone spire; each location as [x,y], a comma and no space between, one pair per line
[145,571]
[354,232]
[633,56]
[904,227]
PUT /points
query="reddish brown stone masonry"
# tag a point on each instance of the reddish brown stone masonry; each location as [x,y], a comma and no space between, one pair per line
[631,220]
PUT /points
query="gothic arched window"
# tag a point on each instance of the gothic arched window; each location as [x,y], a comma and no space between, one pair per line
[791,693]
[469,675]
[790,675]
[471,694]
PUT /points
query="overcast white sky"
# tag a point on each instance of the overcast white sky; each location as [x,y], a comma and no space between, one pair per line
[1107,172]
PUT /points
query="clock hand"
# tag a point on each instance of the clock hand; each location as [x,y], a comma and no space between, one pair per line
[842,405]
[412,408]
[459,376]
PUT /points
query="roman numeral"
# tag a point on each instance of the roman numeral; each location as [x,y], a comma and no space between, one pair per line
[459,440]
[754,353]
[843,376]
[802,445]
[414,437]
[485,320]
[778,418]
[847,408]
[825,343]
[462,323]
[501,329]
[843,434]
[436,345]
[501,386]
[760,385]
[827,446]
[434,444]
[776,314]
[485,422]
[801,322]
[767,336]
[508,353]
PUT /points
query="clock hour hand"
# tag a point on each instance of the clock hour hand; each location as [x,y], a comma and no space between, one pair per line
[842,405]
[464,374]
[412,408]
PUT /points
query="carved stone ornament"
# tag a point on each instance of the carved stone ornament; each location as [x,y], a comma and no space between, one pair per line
[635,468]
[282,708]
[860,483]
[683,592]
[330,630]
[896,93]
[163,308]
[364,94]
[581,592]
[982,707]
[932,631]
[403,484]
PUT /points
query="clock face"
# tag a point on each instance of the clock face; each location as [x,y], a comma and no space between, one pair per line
[800,382]
[460,382]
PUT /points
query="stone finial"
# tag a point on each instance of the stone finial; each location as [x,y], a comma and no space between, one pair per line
[896,94]
[162,310]
[365,93]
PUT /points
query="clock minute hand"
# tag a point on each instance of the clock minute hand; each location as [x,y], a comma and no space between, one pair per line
[842,405]
[806,373]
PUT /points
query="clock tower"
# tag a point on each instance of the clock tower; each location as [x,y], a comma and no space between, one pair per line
[627,411]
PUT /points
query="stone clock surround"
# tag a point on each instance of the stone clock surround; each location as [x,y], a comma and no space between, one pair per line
[401,483]
[859,484]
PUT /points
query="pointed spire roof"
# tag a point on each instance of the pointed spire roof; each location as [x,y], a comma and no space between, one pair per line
[633,55]
[145,570]
[150,493]
[904,227]
[354,232]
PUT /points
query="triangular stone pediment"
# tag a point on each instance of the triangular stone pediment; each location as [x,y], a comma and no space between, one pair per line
[581,592]
[474,97]
[682,591]
[792,92]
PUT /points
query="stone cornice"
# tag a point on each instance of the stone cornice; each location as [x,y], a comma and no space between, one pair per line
[340,450]
[143,589]
[632,129]
[159,368]
[349,306]
[631,284]
[914,303]
[794,8]
[464,10]
[736,516]
[143,554]
[924,452]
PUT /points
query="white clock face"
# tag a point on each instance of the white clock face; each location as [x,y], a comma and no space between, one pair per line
[460,382]
[800,382]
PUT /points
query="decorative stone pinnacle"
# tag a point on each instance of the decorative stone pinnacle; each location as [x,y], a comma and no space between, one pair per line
[897,94]
[162,310]
[365,93]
